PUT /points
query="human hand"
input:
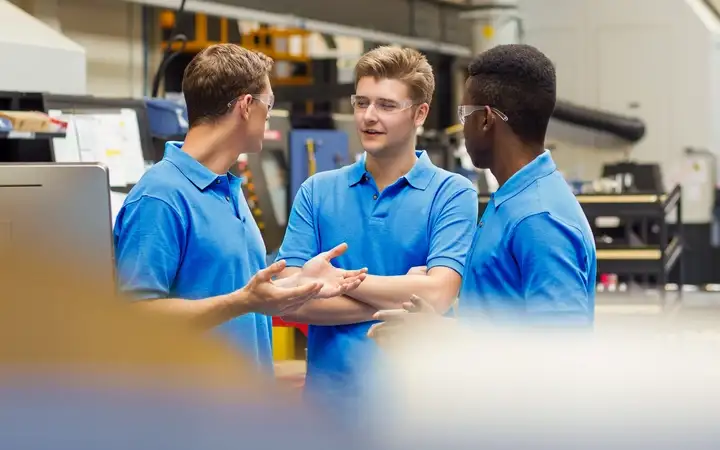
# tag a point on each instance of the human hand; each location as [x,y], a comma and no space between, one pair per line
[334,281]
[415,315]
[419,305]
[419,270]
[264,296]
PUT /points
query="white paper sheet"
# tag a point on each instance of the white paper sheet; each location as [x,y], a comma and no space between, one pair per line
[131,146]
[65,149]
[112,139]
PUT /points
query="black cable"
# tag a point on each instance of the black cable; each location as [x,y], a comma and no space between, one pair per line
[169,55]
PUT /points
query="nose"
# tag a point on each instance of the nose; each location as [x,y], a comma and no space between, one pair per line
[370,114]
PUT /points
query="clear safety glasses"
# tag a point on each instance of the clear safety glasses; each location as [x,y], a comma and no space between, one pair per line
[266,99]
[382,105]
[464,112]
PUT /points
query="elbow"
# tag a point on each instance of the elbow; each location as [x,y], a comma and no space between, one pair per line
[442,306]
[442,299]
[295,316]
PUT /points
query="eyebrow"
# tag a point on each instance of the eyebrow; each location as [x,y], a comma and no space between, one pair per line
[379,98]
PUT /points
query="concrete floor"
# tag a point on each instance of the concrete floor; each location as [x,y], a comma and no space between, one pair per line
[695,311]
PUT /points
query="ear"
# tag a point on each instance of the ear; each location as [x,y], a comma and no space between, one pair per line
[242,106]
[421,114]
[489,122]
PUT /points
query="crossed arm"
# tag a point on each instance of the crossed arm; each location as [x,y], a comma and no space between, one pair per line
[451,234]
[439,286]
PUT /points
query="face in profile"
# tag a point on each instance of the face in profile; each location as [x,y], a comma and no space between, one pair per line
[478,140]
[384,114]
[256,112]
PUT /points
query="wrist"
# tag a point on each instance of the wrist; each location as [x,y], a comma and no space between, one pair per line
[241,302]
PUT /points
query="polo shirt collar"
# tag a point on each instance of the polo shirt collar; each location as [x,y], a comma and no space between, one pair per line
[419,176]
[357,171]
[198,174]
[540,167]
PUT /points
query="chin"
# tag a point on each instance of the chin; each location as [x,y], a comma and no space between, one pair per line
[480,163]
[373,147]
[257,148]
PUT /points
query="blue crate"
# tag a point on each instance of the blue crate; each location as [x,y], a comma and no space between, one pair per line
[166,117]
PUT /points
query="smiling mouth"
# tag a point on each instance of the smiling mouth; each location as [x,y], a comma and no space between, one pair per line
[372,132]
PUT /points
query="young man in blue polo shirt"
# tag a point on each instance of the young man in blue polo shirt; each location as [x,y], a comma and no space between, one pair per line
[394,208]
[532,260]
[185,239]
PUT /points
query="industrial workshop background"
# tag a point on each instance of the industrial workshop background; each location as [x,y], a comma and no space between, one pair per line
[635,131]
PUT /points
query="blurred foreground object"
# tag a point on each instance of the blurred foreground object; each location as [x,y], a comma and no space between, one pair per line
[83,372]
[474,387]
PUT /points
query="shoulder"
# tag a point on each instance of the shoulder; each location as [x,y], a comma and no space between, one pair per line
[550,194]
[331,176]
[448,185]
[547,230]
[162,183]
[158,196]
[147,213]
[453,192]
[327,180]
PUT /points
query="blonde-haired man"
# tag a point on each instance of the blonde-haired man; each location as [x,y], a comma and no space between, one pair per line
[186,243]
[395,209]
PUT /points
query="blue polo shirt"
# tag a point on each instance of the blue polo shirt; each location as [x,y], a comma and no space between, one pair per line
[426,217]
[186,232]
[532,260]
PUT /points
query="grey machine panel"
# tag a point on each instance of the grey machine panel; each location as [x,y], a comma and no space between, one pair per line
[59,211]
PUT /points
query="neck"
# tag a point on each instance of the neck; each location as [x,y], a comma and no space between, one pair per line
[512,158]
[212,148]
[386,169]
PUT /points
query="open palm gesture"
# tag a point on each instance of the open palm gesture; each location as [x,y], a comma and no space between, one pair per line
[334,281]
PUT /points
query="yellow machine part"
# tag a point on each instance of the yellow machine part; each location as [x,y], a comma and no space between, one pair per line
[454,129]
[288,47]
[283,340]
[312,163]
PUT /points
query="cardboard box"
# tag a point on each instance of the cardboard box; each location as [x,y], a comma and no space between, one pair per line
[30,121]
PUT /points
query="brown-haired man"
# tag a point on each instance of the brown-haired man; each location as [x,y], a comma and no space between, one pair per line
[186,242]
[394,208]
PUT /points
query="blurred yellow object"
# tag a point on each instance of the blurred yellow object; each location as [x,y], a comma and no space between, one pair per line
[167,19]
[312,162]
[283,343]
[488,32]
[60,322]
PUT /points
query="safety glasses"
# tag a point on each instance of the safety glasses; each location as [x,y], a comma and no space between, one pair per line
[266,99]
[360,103]
[464,112]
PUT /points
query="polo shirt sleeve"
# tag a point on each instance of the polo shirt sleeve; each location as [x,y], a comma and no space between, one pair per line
[452,231]
[300,244]
[553,262]
[149,241]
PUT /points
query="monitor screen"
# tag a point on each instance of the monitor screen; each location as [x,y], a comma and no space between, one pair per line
[61,211]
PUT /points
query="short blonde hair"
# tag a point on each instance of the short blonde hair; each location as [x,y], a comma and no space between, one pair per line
[219,74]
[403,64]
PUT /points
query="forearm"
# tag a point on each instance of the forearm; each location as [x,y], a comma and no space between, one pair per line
[204,314]
[332,311]
[391,292]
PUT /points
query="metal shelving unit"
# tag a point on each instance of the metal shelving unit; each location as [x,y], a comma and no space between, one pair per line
[29,135]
